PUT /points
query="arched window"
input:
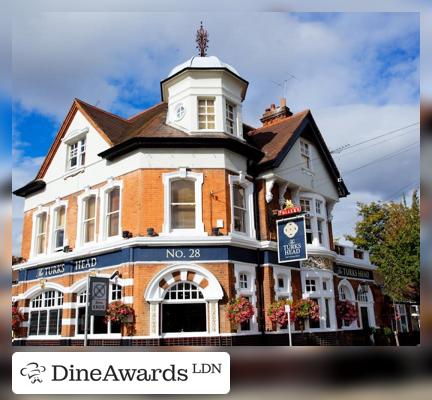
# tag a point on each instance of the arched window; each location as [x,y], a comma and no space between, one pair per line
[45,314]
[97,324]
[184,309]
[184,291]
[346,293]
[366,305]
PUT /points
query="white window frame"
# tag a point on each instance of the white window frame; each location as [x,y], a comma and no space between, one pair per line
[250,292]
[36,214]
[312,199]
[103,223]
[52,230]
[250,212]
[80,217]
[345,284]
[58,305]
[80,304]
[228,119]
[305,151]
[320,296]
[198,178]
[369,304]
[285,292]
[206,99]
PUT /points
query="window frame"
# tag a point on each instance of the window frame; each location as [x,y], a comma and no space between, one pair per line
[247,185]
[305,154]
[81,297]
[206,114]
[52,226]
[35,225]
[230,120]
[167,179]
[81,215]
[308,202]
[81,150]
[105,191]
[41,298]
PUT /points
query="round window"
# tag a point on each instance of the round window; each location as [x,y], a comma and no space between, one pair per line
[179,111]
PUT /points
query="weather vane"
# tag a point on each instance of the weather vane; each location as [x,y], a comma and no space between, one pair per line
[202,40]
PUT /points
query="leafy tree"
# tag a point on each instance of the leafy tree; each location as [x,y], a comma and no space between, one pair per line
[391,232]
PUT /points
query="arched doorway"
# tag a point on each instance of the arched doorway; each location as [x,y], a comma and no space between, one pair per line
[184,309]
[366,305]
[184,301]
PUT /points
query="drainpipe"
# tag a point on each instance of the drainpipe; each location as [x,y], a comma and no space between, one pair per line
[259,272]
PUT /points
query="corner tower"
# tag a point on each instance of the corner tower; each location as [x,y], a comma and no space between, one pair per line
[205,95]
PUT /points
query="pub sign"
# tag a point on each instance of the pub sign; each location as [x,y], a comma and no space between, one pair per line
[99,292]
[291,238]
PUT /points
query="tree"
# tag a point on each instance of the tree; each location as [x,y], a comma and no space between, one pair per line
[391,232]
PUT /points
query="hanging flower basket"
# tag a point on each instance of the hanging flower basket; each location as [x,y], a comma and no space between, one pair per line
[346,311]
[239,310]
[277,315]
[305,309]
[17,318]
[120,312]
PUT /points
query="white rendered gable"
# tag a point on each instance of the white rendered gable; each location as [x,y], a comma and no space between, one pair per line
[316,180]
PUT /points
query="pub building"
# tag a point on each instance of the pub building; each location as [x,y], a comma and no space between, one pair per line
[179,200]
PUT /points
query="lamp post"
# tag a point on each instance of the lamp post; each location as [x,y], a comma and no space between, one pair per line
[288,311]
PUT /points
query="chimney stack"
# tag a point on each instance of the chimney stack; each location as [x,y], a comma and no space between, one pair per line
[275,114]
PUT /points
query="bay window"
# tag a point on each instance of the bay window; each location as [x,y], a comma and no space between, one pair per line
[45,314]
[314,207]
[318,287]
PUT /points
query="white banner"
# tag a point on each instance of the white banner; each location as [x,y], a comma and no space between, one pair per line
[121,373]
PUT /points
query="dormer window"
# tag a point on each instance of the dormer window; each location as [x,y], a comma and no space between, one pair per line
[206,114]
[77,152]
[230,117]
[305,154]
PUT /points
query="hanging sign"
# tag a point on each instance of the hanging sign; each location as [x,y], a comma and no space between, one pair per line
[291,238]
[99,292]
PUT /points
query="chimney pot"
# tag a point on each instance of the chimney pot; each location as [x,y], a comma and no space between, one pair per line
[273,106]
[283,102]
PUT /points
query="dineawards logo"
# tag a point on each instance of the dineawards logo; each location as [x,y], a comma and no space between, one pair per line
[33,371]
[121,373]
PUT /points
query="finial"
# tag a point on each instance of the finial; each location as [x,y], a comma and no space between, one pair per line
[202,40]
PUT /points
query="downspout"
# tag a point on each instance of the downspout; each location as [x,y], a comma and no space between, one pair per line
[259,271]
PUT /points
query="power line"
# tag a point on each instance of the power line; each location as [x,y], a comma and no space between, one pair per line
[412,184]
[343,148]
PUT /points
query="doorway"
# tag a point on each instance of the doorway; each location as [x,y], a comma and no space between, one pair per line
[364,317]
[187,317]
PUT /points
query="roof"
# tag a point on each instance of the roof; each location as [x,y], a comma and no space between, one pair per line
[273,138]
[202,62]
[266,146]
[276,140]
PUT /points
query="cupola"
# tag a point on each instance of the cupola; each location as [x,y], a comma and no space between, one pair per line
[204,94]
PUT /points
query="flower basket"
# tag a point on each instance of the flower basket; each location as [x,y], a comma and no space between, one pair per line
[239,310]
[277,315]
[346,311]
[305,309]
[123,313]
[17,318]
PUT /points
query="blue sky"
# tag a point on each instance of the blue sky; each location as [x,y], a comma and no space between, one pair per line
[358,72]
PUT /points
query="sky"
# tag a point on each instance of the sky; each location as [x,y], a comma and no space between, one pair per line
[357,72]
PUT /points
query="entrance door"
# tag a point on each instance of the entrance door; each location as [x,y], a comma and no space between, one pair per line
[189,317]
[364,317]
